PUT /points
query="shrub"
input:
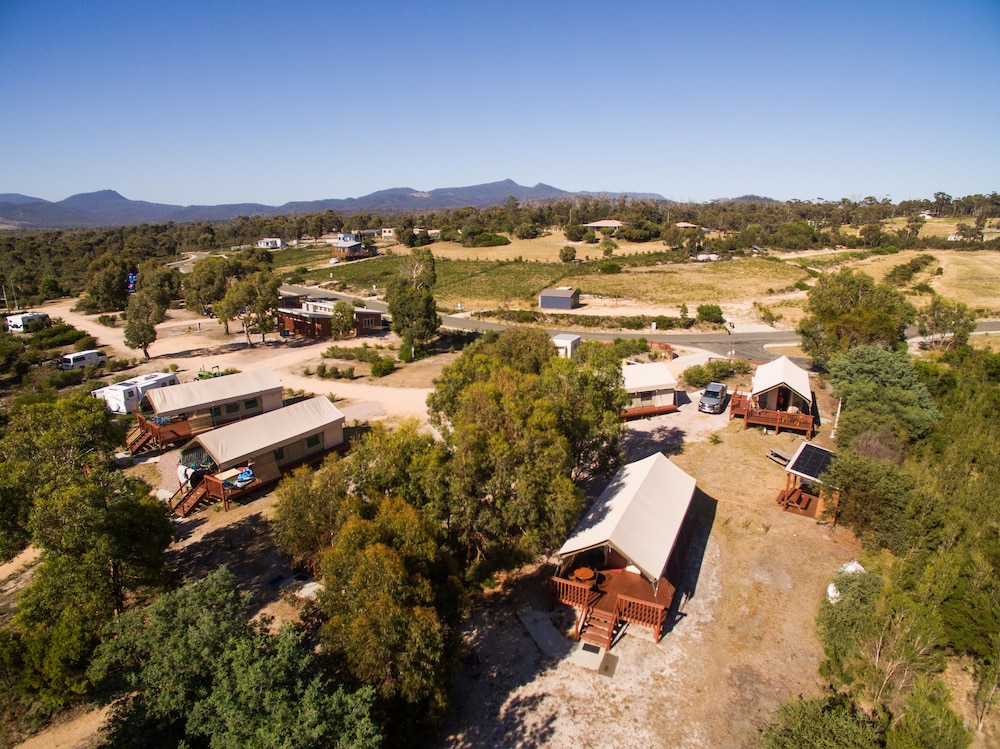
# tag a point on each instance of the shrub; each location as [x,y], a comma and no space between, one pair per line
[383,366]
[117,365]
[488,239]
[86,343]
[108,321]
[609,266]
[321,370]
[710,313]
[567,254]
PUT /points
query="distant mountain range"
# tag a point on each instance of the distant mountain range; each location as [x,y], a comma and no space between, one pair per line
[108,208]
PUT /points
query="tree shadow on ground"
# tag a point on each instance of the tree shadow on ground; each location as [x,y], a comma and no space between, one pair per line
[639,444]
[501,658]
[246,547]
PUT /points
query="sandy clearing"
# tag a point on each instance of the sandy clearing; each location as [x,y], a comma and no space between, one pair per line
[192,342]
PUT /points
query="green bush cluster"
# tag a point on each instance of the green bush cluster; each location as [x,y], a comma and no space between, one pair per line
[902,274]
[700,375]
[363,353]
[710,313]
[334,373]
[108,321]
[383,366]
[59,334]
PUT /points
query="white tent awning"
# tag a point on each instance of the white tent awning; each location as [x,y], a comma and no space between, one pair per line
[201,394]
[781,371]
[245,439]
[639,514]
[647,376]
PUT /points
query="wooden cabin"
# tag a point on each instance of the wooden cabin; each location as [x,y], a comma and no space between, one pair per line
[238,458]
[624,562]
[651,388]
[176,414]
[802,480]
[780,397]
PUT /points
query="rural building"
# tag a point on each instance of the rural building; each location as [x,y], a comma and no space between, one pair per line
[651,388]
[780,398]
[238,458]
[561,297]
[313,319]
[169,415]
[566,344]
[607,223]
[123,397]
[349,247]
[624,561]
[388,232]
[802,480]
[685,225]
[271,243]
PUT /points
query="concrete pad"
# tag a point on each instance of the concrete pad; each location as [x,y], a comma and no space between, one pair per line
[587,656]
[549,639]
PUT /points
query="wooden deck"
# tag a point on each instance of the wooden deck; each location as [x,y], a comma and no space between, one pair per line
[739,405]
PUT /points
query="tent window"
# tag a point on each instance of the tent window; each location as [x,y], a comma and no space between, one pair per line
[250,403]
[312,440]
[232,408]
[216,410]
[279,454]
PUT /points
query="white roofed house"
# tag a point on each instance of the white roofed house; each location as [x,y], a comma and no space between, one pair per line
[624,561]
[780,397]
[651,389]
[240,457]
[170,415]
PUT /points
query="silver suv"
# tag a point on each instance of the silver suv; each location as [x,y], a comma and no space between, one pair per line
[713,400]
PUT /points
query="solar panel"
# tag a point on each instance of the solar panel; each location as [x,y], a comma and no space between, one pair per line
[810,462]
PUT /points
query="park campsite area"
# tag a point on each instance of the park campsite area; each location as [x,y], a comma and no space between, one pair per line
[742,641]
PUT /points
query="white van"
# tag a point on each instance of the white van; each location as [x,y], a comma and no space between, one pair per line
[82,359]
[124,396]
[22,323]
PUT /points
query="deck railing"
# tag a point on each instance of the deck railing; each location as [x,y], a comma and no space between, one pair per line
[739,405]
[570,592]
[644,613]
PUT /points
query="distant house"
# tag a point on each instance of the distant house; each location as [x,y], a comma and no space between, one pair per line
[685,225]
[651,388]
[313,319]
[271,243]
[566,344]
[350,247]
[388,232]
[624,561]
[607,223]
[562,297]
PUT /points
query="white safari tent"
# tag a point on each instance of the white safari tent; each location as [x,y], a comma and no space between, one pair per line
[624,561]
[651,389]
[781,385]
[251,453]
[225,398]
[175,414]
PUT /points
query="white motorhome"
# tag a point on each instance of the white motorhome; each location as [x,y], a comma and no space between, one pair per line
[23,322]
[81,359]
[124,396]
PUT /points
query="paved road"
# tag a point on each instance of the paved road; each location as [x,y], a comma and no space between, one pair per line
[745,345]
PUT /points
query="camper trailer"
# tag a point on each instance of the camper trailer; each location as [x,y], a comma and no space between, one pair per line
[124,396]
[24,322]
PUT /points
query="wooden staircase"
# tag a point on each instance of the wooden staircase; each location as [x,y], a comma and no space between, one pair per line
[139,442]
[599,628]
[190,500]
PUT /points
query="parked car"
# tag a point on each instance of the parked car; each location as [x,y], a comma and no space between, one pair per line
[713,400]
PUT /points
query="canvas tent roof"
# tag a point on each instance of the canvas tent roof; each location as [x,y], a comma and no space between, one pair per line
[647,376]
[781,371]
[242,440]
[201,394]
[639,514]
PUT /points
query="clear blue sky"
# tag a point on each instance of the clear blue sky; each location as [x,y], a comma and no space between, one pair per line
[208,101]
